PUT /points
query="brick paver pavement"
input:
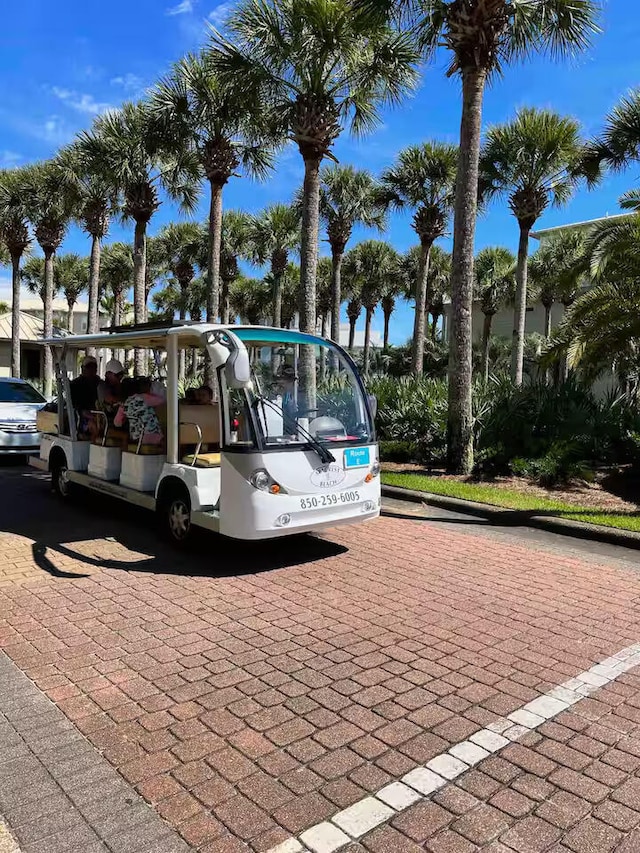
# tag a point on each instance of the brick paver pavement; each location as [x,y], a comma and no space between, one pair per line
[252,692]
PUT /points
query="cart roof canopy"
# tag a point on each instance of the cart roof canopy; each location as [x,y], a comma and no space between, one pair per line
[189,334]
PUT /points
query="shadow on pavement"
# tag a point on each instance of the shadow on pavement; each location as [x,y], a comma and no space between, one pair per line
[30,510]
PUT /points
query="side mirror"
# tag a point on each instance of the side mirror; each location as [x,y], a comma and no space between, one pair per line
[373,404]
[238,369]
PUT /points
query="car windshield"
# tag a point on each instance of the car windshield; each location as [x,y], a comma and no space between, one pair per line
[306,393]
[19,392]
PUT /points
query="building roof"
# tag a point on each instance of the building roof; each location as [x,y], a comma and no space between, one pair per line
[578,226]
[30,328]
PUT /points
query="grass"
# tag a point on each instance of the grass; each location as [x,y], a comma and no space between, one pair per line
[511,499]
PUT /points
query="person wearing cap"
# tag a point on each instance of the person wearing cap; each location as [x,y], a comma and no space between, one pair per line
[84,394]
[110,389]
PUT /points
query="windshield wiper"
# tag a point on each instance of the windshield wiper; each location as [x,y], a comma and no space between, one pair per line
[325,455]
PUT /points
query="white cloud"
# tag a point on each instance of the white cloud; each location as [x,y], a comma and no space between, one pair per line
[219,15]
[8,159]
[129,82]
[81,102]
[182,8]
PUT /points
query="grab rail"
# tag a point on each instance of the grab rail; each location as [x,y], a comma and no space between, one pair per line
[199,444]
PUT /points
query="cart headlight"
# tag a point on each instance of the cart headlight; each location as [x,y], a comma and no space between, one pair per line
[283,520]
[375,469]
[261,480]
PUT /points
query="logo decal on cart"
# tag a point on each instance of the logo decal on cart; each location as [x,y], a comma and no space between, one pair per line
[328,476]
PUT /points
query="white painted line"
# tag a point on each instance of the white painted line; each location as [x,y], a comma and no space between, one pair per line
[363,816]
[291,845]
[469,753]
[420,783]
[398,796]
[324,838]
[424,781]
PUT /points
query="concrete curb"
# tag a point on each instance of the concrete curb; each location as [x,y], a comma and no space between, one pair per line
[519,518]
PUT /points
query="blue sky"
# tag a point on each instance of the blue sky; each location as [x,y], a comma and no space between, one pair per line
[63,63]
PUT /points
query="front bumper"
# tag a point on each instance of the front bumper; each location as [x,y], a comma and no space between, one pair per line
[19,442]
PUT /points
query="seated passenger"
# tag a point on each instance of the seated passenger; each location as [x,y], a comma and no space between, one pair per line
[110,389]
[84,396]
[190,398]
[139,411]
[204,396]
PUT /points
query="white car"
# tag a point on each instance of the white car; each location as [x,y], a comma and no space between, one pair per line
[19,405]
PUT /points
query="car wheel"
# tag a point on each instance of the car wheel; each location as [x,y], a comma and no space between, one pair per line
[175,516]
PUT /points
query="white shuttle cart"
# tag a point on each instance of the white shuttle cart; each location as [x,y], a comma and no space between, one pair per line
[287,445]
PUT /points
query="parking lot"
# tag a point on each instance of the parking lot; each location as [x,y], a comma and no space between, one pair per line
[254,694]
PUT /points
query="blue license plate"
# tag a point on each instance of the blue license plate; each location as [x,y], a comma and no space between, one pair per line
[357,457]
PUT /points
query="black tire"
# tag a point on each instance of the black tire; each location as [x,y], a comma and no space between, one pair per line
[174,511]
[60,484]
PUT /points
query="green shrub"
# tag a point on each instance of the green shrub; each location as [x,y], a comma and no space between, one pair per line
[398,451]
[412,410]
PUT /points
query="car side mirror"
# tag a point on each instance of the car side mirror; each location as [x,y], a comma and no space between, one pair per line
[373,404]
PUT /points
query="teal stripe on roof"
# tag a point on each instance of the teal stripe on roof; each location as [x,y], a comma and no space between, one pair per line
[281,336]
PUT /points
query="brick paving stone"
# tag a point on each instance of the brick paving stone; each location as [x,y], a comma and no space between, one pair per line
[592,836]
[303,812]
[422,820]
[617,815]
[388,840]
[512,803]
[481,825]
[563,809]
[243,818]
[450,842]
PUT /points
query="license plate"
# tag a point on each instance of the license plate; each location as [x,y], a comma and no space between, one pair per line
[357,457]
[333,499]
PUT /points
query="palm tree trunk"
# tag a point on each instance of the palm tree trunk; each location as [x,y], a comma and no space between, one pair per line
[70,307]
[277,300]
[460,418]
[547,334]
[420,318]
[367,340]
[336,292]
[352,332]
[486,335]
[48,321]
[225,309]
[94,286]
[213,259]
[323,350]
[15,314]
[139,288]
[182,353]
[117,319]
[308,273]
[434,326]
[387,320]
[520,311]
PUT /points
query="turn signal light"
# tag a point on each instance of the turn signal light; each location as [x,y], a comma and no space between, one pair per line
[275,488]
[369,477]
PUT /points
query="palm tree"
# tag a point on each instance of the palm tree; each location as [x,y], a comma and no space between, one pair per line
[178,246]
[273,234]
[495,284]
[438,285]
[482,36]
[290,295]
[235,245]
[323,66]
[532,160]
[50,205]
[374,264]
[250,299]
[423,180]
[72,278]
[129,150]
[117,277]
[348,197]
[96,201]
[226,126]
[14,232]
[556,269]
[619,143]
[32,276]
